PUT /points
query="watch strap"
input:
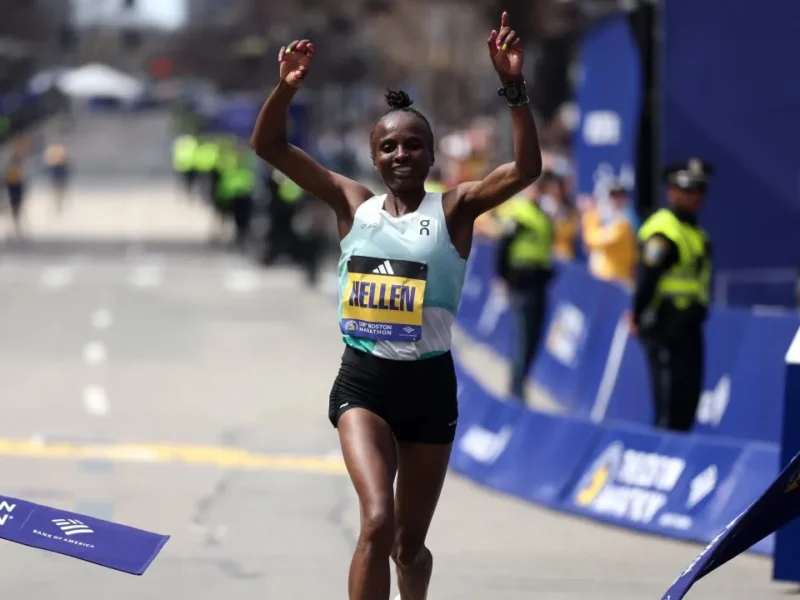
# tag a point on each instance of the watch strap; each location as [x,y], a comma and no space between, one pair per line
[515,93]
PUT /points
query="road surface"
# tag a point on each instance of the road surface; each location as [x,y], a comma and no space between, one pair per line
[179,389]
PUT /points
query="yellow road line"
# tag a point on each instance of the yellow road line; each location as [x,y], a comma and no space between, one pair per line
[216,456]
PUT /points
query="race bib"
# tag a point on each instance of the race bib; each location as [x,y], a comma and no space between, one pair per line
[383,299]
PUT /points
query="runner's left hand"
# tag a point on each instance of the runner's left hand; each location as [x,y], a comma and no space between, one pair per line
[505,50]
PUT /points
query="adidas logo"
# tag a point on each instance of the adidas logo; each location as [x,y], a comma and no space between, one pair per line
[384,269]
[408,330]
[72,526]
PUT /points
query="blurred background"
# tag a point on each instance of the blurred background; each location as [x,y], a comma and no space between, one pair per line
[159,285]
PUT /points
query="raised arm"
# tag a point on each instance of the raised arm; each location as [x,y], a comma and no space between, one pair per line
[270,142]
[477,197]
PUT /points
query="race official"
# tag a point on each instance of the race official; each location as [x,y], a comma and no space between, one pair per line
[671,295]
[525,265]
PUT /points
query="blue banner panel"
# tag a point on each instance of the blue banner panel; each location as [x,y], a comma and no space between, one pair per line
[79,536]
[542,456]
[735,105]
[609,97]
[776,507]
[673,485]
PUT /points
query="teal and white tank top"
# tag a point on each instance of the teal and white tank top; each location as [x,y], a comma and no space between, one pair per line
[400,281]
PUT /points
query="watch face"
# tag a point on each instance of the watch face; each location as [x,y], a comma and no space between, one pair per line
[512,93]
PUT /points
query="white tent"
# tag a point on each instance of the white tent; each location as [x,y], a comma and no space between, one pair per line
[98,80]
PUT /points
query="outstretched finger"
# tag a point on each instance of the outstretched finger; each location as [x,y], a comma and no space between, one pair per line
[281,53]
[504,19]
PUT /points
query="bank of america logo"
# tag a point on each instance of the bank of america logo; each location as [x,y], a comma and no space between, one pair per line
[408,330]
[72,526]
[384,269]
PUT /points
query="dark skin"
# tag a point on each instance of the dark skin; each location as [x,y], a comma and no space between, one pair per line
[396,524]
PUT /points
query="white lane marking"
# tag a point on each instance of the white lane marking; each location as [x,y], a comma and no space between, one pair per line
[95,400]
[146,276]
[94,353]
[242,281]
[57,277]
[102,319]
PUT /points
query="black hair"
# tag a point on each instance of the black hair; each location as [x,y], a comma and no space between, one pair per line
[399,101]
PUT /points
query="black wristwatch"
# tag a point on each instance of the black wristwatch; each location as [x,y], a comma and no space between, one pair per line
[516,93]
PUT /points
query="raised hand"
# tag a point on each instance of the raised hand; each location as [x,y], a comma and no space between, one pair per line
[505,50]
[295,60]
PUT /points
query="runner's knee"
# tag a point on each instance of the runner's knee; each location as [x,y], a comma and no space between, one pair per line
[377,526]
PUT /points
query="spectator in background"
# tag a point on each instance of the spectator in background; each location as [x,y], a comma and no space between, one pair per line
[610,238]
[525,268]
[58,164]
[14,180]
[552,198]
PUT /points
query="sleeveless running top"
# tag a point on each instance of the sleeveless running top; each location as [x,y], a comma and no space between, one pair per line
[400,281]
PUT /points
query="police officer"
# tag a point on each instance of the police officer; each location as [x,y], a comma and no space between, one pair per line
[671,296]
[183,160]
[525,265]
[285,199]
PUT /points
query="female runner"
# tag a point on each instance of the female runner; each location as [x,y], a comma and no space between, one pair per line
[403,259]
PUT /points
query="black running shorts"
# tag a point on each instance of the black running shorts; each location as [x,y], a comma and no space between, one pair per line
[418,399]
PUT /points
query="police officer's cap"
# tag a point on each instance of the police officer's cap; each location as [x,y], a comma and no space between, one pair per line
[692,174]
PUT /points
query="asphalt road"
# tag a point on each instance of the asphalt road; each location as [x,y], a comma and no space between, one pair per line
[179,389]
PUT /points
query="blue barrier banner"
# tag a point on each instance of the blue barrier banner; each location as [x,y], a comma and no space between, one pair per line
[757,383]
[674,485]
[94,540]
[778,505]
[483,440]
[720,120]
[576,339]
[609,98]
[542,456]
[516,451]
[477,286]
[786,566]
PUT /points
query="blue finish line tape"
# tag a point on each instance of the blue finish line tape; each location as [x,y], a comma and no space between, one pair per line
[100,542]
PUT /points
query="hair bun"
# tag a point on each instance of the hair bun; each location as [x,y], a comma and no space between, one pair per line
[398,100]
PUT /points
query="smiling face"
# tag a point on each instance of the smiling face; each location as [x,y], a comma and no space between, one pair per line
[402,150]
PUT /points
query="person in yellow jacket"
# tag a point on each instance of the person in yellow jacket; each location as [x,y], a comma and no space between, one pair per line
[671,296]
[525,265]
[234,194]
[610,239]
[184,149]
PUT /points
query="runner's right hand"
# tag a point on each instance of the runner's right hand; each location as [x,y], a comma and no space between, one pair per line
[295,59]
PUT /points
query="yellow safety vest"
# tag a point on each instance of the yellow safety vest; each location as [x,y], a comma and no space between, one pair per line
[688,281]
[533,243]
[236,181]
[206,156]
[288,191]
[183,151]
